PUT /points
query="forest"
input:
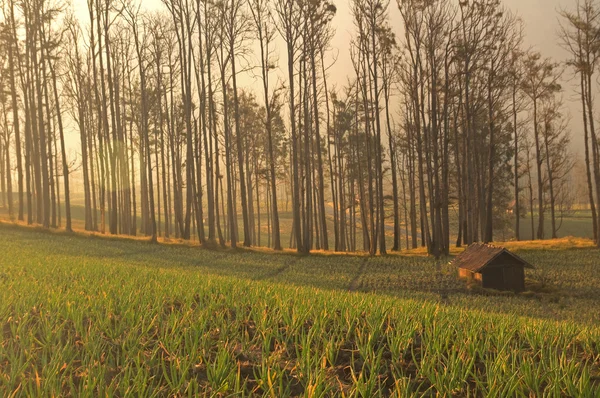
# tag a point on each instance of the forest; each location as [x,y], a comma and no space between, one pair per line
[448,130]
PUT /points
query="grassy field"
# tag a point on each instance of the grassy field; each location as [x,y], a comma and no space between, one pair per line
[578,223]
[91,316]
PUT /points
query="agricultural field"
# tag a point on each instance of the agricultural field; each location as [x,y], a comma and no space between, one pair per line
[577,223]
[94,316]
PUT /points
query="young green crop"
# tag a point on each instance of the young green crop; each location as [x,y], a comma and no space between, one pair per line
[89,317]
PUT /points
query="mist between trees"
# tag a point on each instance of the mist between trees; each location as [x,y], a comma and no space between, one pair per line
[447,130]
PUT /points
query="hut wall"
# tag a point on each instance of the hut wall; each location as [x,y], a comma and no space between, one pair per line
[493,278]
[465,273]
[514,278]
[504,273]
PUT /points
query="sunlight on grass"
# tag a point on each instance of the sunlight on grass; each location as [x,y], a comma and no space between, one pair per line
[110,317]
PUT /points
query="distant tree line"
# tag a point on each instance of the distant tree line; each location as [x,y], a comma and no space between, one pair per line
[443,134]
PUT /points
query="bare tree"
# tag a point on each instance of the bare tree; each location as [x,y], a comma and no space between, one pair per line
[540,81]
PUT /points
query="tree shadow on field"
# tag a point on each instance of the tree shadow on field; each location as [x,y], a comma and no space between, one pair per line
[354,284]
[272,274]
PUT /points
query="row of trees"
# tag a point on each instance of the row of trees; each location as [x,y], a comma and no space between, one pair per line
[476,105]
[434,135]
[580,36]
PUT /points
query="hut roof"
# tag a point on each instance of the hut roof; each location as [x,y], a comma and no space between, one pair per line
[478,255]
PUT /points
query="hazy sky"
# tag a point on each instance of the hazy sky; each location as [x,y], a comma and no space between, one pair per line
[541,25]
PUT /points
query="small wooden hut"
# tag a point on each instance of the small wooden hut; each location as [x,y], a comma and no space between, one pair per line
[492,267]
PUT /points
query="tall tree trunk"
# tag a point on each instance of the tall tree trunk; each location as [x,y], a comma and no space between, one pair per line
[550,184]
[538,161]
[240,150]
[517,208]
[43,165]
[489,228]
[317,132]
[15,118]
[392,148]
[205,134]
[587,158]
[595,154]
[65,164]
[295,169]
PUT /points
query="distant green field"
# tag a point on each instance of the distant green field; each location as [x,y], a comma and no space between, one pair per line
[578,224]
[88,316]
